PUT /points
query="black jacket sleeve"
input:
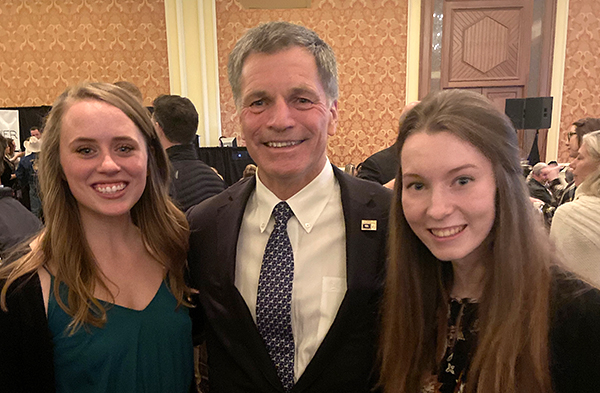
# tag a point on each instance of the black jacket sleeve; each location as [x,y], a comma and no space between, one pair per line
[575,337]
[26,359]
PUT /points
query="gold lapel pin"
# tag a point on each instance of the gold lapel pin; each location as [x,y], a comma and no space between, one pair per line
[368,225]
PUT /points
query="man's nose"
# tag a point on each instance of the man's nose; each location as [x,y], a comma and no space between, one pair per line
[281,116]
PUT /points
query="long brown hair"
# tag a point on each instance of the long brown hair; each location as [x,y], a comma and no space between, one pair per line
[62,244]
[512,350]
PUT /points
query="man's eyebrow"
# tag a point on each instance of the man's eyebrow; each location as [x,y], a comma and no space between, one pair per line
[254,94]
[303,90]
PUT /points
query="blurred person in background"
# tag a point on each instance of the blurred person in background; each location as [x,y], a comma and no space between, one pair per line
[16,222]
[537,184]
[27,174]
[576,225]
[382,166]
[176,121]
[574,138]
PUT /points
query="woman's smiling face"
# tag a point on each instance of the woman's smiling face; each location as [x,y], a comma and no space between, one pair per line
[448,194]
[104,158]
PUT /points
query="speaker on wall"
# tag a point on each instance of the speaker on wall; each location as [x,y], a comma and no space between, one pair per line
[538,113]
[529,113]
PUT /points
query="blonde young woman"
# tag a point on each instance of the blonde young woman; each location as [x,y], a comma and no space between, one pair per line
[474,301]
[98,304]
[576,225]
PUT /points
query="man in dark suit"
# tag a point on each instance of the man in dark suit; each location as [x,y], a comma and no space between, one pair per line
[536,185]
[381,167]
[289,263]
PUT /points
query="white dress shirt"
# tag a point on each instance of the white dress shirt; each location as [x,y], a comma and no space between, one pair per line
[318,237]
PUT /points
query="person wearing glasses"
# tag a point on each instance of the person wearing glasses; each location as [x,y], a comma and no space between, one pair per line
[576,225]
[574,138]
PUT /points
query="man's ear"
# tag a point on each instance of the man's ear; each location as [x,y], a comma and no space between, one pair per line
[333,112]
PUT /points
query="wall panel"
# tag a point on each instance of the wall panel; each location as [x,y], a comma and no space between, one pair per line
[581,91]
[48,45]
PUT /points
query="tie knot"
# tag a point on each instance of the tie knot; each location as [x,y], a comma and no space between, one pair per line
[282,212]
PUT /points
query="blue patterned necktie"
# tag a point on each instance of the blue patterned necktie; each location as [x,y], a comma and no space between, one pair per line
[274,299]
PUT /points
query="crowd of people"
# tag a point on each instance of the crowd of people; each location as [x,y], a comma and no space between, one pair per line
[299,277]
[568,195]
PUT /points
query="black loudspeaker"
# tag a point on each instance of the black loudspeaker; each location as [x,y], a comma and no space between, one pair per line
[538,113]
[515,110]
[529,113]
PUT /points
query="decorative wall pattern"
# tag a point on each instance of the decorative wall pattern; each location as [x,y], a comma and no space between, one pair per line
[581,95]
[369,39]
[48,45]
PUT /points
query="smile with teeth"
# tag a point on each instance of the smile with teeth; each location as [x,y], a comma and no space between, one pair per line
[106,189]
[447,232]
[282,144]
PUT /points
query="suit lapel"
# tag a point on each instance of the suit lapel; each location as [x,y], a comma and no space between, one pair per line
[361,270]
[251,354]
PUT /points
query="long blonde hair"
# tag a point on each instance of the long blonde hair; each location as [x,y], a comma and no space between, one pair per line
[512,349]
[591,184]
[62,244]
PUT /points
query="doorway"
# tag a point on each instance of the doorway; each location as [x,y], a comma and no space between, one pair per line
[499,48]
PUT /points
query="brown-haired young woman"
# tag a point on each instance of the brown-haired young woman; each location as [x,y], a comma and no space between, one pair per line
[474,300]
[98,304]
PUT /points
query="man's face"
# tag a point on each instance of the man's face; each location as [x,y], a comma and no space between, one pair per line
[572,143]
[541,177]
[36,133]
[286,118]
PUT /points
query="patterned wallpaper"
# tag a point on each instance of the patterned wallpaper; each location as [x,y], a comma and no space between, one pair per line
[369,39]
[581,95]
[47,45]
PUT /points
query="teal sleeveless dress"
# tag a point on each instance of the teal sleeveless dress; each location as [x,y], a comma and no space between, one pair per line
[136,351]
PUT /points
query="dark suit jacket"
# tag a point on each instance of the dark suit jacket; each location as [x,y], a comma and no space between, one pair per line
[381,166]
[237,358]
[16,222]
[26,355]
[192,181]
[539,191]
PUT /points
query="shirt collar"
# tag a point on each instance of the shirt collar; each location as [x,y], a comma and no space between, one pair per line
[307,204]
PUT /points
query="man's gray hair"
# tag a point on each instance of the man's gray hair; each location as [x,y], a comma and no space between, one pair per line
[537,168]
[273,37]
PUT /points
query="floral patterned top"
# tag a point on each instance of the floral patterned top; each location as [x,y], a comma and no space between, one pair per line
[461,341]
